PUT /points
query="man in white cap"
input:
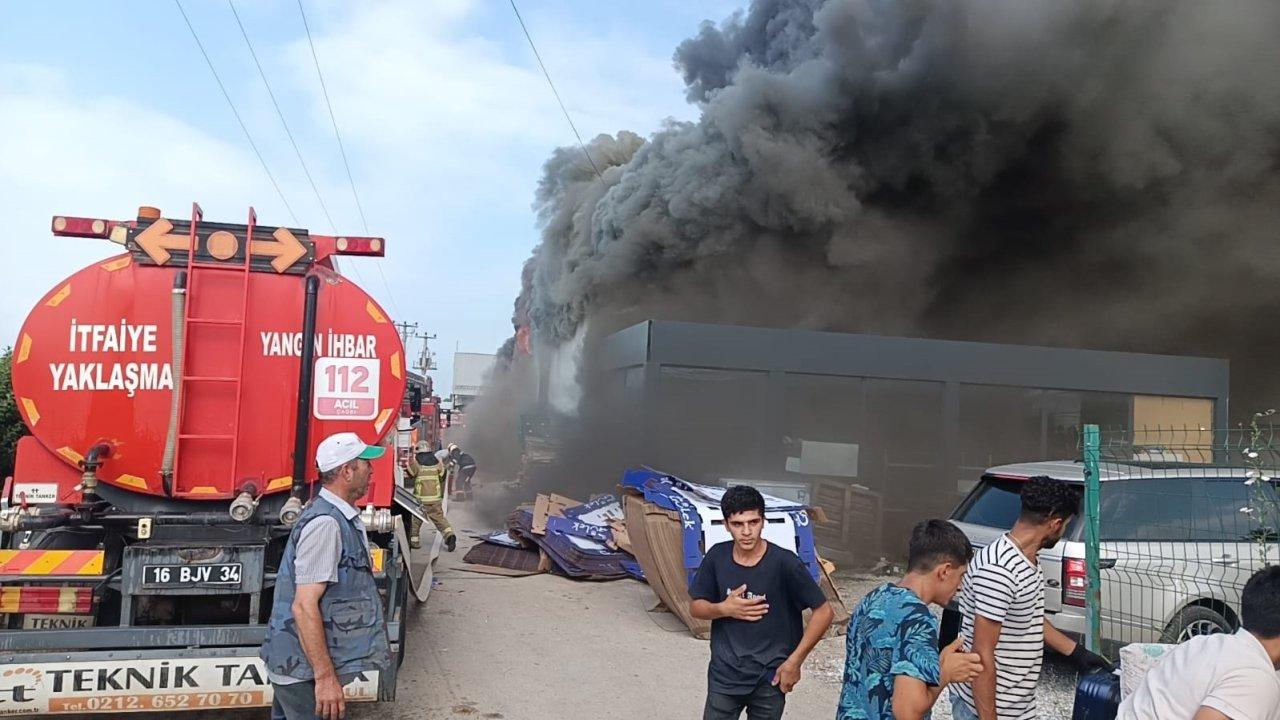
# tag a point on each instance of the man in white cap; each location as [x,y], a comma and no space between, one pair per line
[326,625]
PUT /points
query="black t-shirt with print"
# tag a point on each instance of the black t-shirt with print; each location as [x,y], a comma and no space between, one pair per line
[745,654]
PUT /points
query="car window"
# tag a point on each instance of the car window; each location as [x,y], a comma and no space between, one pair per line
[1217,516]
[1144,509]
[995,503]
[1175,509]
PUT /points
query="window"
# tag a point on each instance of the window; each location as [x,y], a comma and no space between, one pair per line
[1188,509]
[999,425]
[1145,509]
[995,503]
[1217,517]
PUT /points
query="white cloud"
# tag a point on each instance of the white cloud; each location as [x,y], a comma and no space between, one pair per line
[95,157]
[424,95]
[445,116]
[451,126]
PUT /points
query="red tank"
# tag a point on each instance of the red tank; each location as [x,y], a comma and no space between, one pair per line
[94,362]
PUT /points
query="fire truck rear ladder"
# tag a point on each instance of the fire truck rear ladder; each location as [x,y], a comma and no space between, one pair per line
[195,270]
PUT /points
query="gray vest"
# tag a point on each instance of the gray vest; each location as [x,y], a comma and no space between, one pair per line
[351,608]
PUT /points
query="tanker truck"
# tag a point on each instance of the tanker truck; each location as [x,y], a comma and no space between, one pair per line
[174,396]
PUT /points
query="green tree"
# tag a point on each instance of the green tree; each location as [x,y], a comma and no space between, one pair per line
[11,427]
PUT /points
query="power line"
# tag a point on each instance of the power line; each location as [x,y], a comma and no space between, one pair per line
[332,118]
[235,112]
[387,287]
[341,149]
[280,114]
[547,75]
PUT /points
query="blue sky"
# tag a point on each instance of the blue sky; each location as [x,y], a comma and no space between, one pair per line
[445,117]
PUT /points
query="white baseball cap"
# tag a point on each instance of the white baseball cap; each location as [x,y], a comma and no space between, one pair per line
[342,448]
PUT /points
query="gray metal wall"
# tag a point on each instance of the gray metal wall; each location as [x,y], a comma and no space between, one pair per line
[722,401]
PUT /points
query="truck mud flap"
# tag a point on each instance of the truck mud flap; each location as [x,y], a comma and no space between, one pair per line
[409,502]
[419,564]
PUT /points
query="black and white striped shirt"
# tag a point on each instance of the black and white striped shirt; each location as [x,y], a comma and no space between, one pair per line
[1004,586]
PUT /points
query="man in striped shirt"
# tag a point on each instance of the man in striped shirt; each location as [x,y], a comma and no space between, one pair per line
[1002,605]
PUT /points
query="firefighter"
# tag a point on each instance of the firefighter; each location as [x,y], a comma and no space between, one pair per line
[461,467]
[428,484]
[466,468]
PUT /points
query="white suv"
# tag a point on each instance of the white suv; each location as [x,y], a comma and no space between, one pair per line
[1175,548]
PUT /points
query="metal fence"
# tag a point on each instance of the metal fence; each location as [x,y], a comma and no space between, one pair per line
[1175,522]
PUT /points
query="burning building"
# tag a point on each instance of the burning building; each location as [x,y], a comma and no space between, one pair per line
[1092,174]
[912,422]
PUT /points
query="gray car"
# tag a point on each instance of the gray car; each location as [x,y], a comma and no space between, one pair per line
[1175,550]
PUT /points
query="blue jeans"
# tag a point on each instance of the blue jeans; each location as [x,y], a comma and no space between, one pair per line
[960,709]
[295,701]
[766,702]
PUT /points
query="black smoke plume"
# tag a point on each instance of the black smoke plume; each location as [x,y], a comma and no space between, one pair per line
[1095,173]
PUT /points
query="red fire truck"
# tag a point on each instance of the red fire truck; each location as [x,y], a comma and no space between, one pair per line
[175,394]
[426,419]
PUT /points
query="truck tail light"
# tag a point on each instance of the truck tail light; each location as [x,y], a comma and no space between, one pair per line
[113,230]
[327,245]
[77,600]
[81,227]
[1075,579]
[359,246]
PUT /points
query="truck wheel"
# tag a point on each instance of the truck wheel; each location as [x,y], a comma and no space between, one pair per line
[1195,620]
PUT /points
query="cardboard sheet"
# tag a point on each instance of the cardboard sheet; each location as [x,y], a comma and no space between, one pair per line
[517,560]
[575,557]
[658,542]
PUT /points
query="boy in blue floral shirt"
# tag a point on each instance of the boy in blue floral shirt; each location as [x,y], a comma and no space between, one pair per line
[893,670]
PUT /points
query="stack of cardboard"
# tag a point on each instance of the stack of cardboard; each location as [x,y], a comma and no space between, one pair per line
[574,547]
[656,532]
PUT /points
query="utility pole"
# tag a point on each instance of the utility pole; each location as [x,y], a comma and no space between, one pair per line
[408,334]
[426,361]
[407,330]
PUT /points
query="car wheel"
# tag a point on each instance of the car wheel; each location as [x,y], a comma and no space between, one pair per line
[1195,620]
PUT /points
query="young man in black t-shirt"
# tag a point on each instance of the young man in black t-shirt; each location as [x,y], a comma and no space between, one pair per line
[753,593]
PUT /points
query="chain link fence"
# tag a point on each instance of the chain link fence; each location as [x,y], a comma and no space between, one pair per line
[1176,520]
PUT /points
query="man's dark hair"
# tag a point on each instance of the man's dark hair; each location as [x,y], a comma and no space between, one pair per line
[1045,498]
[741,498]
[427,459]
[934,542]
[1260,603]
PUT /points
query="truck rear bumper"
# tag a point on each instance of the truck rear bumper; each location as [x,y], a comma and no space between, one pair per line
[146,669]
[136,637]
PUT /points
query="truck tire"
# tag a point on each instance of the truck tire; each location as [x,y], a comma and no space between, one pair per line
[1195,620]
